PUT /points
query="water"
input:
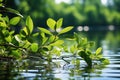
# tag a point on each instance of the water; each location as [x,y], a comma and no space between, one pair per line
[35,69]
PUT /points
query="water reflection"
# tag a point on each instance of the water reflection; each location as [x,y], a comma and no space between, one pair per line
[38,69]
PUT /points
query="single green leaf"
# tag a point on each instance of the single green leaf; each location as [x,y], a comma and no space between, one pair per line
[105,61]
[34,47]
[98,51]
[26,44]
[57,43]
[29,24]
[52,38]
[16,53]
[15,20]
[8,39]
[5,33]
[25,31]
[44,40]
[59,23]
[17,38]
[2,22]
[51,23]
[45,31]
[13,11]
[66,30]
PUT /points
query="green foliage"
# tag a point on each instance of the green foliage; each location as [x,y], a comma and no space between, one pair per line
[66,30]
[15,21]
[29,25]
[83,48]
[46,43]
[51,23]
[34,47]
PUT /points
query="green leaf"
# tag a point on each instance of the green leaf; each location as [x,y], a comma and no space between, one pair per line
[17,38]
[5,33]
[51,23]
[29,24]
[1,1]
[59,23]
[26,44]
[16,53]
[8,39]
[57,43]
[15,20]
[44,40]
[105,61]
[34,47]
[13,11]
[25,30]
[66,30]
[98,51]
[52,38]
[45,31]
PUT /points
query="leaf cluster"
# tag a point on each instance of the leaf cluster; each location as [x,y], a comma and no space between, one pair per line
[44,43]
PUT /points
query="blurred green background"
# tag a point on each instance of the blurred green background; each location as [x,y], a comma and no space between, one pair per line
[98,19]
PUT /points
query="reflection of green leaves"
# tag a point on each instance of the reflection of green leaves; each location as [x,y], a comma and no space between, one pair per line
[14,20]
[51,23]
[66,30]
[29,24]
[34,47]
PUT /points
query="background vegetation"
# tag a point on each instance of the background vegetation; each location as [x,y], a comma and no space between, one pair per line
[92,13]
[78,12]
